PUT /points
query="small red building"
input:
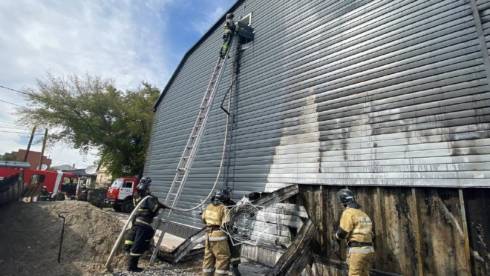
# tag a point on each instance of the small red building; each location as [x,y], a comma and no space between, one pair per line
[33,158]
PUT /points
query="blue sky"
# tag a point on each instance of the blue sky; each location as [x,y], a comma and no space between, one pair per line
[128,41]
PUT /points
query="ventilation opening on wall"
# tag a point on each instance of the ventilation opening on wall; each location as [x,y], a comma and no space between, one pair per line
[245,31]
[246,20]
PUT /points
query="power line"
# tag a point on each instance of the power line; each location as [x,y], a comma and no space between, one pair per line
[10,123]
[13,127]
[14,90]
[11,103]
[19,132]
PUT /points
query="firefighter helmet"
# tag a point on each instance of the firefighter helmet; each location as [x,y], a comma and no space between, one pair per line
[144,184]
[221,196]
[229,16]
[346,196]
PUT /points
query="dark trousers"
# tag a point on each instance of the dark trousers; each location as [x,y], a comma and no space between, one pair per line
[142,238]
[235,253]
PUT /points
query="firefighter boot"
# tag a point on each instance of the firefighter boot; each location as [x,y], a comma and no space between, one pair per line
[133,264]
[234,270]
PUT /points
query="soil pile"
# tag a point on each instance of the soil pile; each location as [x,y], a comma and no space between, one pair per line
[30,235]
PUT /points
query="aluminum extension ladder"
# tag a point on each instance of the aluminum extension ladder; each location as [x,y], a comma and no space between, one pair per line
[194,139]
[192,145]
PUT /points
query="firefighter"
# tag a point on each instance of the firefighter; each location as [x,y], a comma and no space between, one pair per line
[216,250]
[139,236]
[235,250]
[357,228]
[229,30]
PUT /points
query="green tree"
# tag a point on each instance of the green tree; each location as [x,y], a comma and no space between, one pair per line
[8,156]
[91,113]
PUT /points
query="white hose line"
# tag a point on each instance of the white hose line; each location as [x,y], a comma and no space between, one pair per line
[120,237]
[133,213]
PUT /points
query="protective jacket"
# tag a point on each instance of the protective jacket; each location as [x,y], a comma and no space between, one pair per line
[229,25]
[229,28]
[216,249]
[139,236]
[147,211]
[357,228]
[356,225]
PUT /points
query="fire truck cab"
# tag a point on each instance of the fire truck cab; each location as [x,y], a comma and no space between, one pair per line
[120,194]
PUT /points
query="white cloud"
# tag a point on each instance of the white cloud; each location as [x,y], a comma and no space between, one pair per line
[121,40]
[113,39]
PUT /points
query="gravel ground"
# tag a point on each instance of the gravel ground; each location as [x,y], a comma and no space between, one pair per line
[162,268]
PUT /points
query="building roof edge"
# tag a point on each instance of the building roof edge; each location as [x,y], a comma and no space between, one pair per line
[191,50]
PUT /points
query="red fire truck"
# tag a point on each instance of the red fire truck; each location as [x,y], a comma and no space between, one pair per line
[54,182]
[11,185]
[32,182]
[120,194]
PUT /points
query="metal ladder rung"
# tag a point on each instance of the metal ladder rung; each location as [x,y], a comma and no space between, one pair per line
[197,131]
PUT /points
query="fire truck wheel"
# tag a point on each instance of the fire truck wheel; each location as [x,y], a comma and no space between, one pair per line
[127,206]
[116,207]
[60,196]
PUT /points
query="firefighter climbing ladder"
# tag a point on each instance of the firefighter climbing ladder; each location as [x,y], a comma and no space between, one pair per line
[194,139]
[190,150]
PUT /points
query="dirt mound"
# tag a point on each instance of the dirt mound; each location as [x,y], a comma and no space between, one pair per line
[30,234]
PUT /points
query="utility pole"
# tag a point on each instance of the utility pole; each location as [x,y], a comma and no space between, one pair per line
[42,150]
[30,143]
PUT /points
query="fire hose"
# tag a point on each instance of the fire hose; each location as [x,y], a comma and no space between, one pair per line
[120,237]
[133,213]
[130,219]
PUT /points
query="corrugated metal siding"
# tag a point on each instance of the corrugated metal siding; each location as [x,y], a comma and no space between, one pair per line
[391,93]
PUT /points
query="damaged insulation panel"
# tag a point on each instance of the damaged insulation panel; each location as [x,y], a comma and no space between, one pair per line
[345,93]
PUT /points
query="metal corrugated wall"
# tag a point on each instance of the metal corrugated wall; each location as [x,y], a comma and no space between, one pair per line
[391,93]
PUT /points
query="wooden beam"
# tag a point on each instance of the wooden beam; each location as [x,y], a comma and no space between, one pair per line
[418,236]
[297,255]
[467,251]
[321,217]
[379,216]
